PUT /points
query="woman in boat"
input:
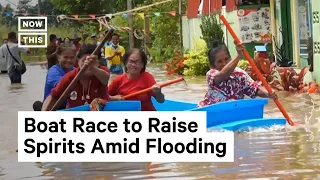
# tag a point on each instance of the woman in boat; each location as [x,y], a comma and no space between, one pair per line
[135,79]
[226,81]
[92,85]
[66,53]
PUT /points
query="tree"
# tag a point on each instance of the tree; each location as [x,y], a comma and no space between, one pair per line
[23,6]
[8,20]
[211,30]
[85,6]
[47,8]
[165,29]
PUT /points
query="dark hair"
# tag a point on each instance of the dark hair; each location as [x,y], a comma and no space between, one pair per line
[142,54]
[115,34]
[65,46]
[12,35]
[215,48]
[88,49]
[52,37]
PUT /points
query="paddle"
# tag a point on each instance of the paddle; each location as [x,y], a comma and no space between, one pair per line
[80,74]
[150,88]
[256,70]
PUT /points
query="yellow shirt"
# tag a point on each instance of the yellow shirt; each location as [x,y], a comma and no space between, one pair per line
[109,51]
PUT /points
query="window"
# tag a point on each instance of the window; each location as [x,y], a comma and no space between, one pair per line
[304,25]
[251,2]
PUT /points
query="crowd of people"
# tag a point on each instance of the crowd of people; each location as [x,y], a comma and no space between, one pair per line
[111,52]
[67,57]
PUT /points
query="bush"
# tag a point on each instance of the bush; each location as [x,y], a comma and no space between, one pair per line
[197,62]
[280,79]
[211,30]
[175,64]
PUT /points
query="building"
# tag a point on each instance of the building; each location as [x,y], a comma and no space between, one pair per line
[260,22]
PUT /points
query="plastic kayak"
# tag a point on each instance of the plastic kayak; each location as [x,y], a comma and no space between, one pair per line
[238,115]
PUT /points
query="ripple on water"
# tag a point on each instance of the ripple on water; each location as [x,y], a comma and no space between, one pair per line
[279,152]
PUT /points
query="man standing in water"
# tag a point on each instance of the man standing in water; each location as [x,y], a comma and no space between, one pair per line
[52,58]
[11,52]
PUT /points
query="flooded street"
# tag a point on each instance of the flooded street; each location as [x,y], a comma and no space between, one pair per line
[277,153]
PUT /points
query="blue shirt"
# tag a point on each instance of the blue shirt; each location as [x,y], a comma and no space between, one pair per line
[54,75]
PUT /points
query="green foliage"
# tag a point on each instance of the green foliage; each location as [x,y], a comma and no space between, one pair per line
[6,20]
[84,6]
[121,21]
[211,30]
[4,30]
[175,64]
[164,30]
[197,62]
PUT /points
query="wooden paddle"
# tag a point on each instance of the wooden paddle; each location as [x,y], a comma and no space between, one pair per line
[150,88]
[81,72]
[256,70]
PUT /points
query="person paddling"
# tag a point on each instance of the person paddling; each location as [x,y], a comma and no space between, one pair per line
[92,85]
[227,82]
[136,79]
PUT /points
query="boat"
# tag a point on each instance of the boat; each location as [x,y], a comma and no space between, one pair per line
[237,115]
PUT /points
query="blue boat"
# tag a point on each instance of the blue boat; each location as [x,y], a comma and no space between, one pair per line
[239,115]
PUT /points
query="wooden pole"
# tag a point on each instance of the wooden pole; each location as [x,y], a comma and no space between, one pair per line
[147,29]
[39,12]
[180,22]
[130,21]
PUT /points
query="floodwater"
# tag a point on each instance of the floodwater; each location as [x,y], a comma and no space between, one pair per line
[276,153]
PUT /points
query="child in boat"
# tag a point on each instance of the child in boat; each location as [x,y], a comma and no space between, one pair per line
[225,81]
[135,79]
[92,85]
[114,54]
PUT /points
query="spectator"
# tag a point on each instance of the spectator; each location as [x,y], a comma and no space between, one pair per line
[11,52]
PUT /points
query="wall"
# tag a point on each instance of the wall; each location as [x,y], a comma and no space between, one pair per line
[191,30]
[315,6]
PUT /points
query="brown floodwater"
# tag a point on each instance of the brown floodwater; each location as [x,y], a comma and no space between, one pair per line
[274,153]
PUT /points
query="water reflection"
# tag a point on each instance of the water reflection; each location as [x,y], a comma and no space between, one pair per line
[276,153]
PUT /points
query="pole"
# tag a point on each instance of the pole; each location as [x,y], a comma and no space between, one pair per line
[130,21]
[256,70]
[39,1]
[180,22]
